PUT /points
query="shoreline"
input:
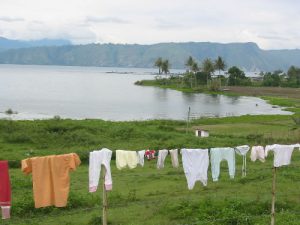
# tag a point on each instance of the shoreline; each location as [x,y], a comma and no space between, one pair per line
[276,96]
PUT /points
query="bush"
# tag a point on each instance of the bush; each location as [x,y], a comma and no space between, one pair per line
[296,119]
[238,77]
[18,137]
[9,111]
[215,85]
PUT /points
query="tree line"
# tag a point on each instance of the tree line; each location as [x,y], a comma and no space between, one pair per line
[201,74]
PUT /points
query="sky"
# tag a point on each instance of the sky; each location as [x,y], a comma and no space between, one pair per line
[272,24]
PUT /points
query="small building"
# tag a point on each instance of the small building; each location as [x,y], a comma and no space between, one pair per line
[201,133]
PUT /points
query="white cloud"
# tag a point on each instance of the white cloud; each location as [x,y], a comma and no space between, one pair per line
[270,23]
[93,19]
[10,19]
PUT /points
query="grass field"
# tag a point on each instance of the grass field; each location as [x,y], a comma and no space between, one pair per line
[150,196]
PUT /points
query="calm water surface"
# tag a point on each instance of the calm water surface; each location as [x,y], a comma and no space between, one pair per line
[38,92]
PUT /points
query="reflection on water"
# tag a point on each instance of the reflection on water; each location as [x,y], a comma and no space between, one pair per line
[85,92]
[188,96]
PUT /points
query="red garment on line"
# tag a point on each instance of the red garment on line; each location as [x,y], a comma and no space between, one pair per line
[5,189]
[150,154]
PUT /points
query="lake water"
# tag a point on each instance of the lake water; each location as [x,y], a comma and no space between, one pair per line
[38,92]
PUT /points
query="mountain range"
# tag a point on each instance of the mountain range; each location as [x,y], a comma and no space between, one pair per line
[6,44]
[247,56]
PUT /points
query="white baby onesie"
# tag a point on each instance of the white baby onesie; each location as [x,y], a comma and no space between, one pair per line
[162,154]
[282,153]
[257,152]
[195,165]
[141,157]
[242,150]
[174,157]
[126,158]
[219,154]
[96,159]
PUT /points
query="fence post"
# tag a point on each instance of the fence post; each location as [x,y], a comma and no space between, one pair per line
[104,198]
[188,120]
[273,197]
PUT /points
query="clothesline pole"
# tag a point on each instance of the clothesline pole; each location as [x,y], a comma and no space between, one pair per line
[188,120]
[273,196]
[104,198]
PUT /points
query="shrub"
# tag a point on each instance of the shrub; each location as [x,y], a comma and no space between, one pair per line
[215,85]
[18,137]
[10,111]
[296,119]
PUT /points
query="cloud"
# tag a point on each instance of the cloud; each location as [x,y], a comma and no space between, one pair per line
[166,24]
[271,25]
[11,19]
[92,19]
[273,37]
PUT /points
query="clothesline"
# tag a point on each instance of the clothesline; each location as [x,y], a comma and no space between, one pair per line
[195,164]
[181,170]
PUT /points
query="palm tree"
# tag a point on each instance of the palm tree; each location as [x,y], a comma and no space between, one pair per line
[165,66]
[208,68]
[195,69]
[220,64]
[189,63]
[158,63]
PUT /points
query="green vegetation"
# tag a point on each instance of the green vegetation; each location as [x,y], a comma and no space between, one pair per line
[163,65]
[147,195]
[158,63]
[291,104]
[200,80]
[10,111]
[220,64]
[237,77]
[280,79]
[196,76]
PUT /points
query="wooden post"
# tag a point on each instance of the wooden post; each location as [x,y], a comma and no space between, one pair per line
[104,198]
[244,166]
[273,197]
[188,120]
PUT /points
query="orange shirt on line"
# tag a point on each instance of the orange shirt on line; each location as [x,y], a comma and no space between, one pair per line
[50,177]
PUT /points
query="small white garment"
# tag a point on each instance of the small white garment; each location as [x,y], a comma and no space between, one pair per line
[126,158]
[162,154]
[217,155]
[174,158]
[257,152]
[141,157]
[96,159]
[282,153]
[242,151]
[195,165]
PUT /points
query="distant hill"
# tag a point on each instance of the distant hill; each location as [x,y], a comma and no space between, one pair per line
[6,44]
[247,56]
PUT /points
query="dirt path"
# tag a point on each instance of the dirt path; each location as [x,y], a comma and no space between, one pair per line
[266,91]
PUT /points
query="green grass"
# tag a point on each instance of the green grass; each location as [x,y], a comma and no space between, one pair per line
[147,195]
[174,86]
[21,139]
[291,104]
